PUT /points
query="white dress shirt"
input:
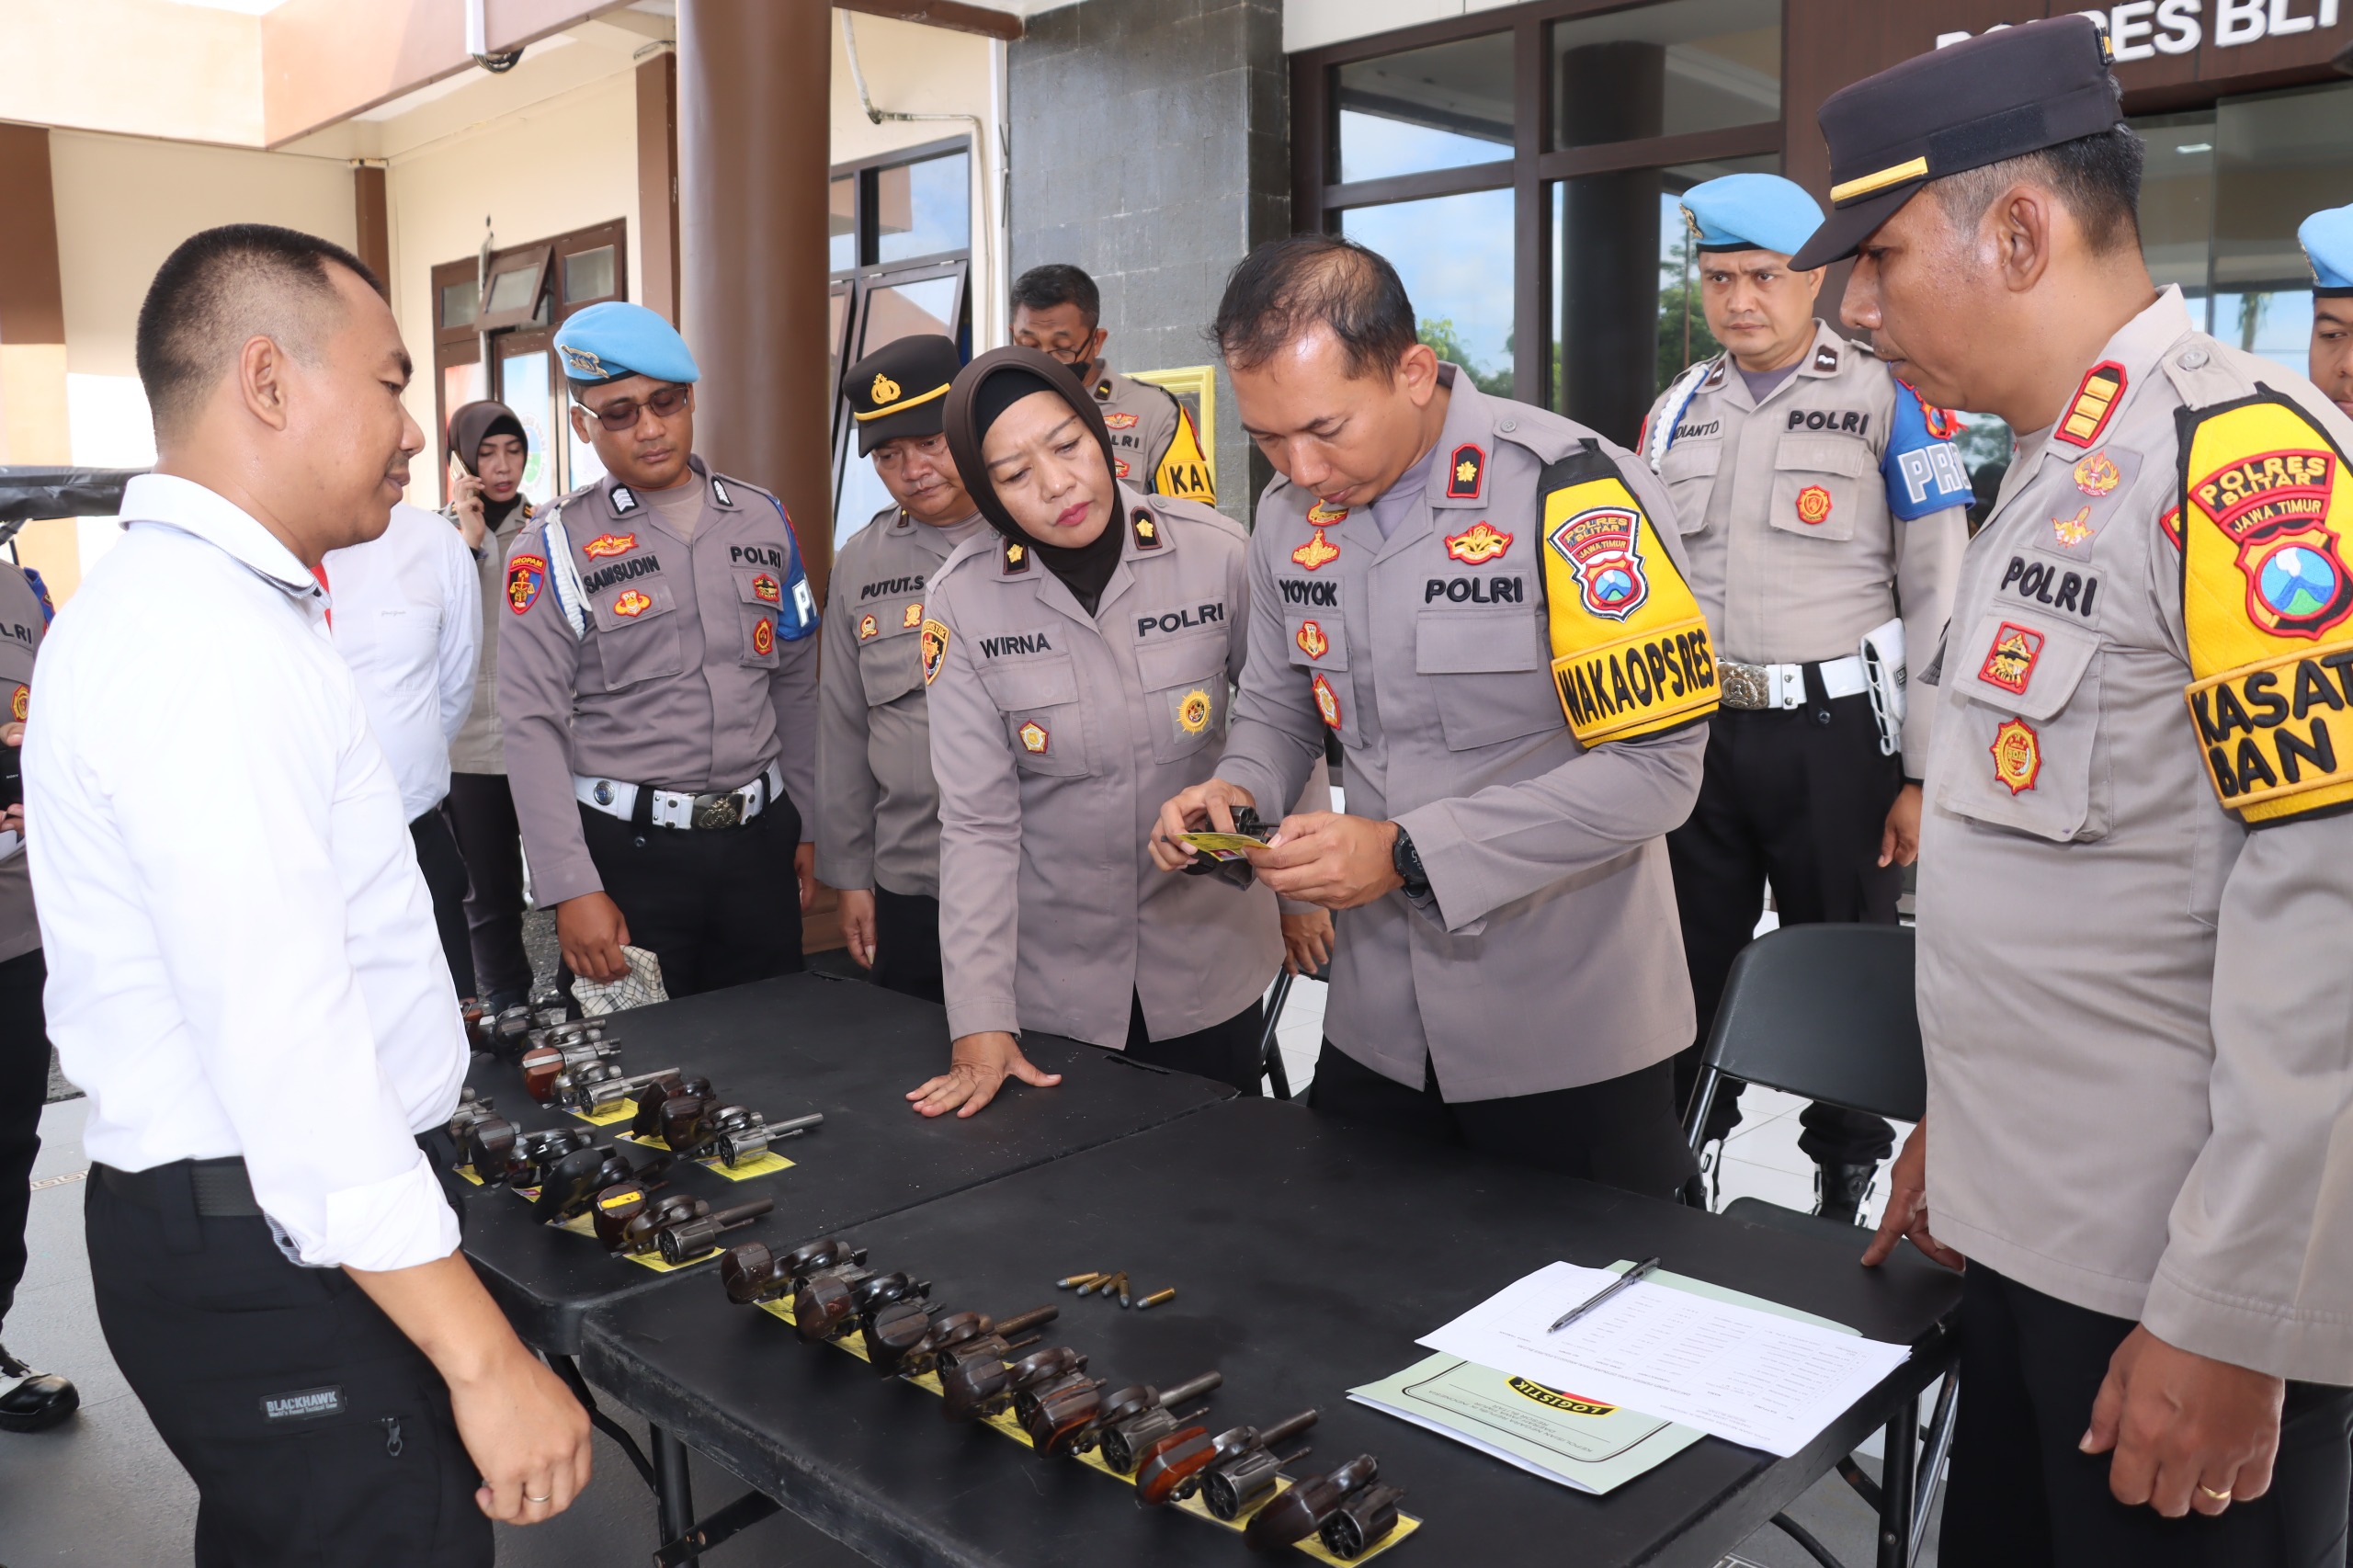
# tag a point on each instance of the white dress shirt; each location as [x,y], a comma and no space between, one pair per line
[408,619]
[242,954]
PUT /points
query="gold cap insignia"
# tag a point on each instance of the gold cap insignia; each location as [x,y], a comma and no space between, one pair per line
[884,388]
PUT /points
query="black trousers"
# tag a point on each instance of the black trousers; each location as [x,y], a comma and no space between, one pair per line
[481,814]
[445,878]
[2021,1495]
[1799,796]
[1621,1131]
[24,1086]
[1227,1052]
[361,1464]
[718,907]
[906,944]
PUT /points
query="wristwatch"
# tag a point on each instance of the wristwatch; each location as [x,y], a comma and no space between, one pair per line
[1407,862]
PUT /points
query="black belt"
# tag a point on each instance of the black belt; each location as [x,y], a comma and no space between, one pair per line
[222,1190]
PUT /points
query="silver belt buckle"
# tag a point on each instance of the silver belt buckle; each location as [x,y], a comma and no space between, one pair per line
[1743,686]
[718,810]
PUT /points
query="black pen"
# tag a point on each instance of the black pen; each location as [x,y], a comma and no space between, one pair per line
[1641,1270]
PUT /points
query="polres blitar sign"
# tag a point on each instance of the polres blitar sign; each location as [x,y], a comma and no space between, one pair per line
[2144,29]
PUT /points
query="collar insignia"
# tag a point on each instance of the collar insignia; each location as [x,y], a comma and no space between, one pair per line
[1825,359]
[2095,404]
[1317,552]
[1466,471]
[624,502]
[1147,530]
[1017,558]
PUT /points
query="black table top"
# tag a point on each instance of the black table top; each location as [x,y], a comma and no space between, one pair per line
[786,1047]
[1308,1255]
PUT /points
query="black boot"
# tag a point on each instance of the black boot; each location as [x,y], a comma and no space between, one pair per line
[1842,1190]
[30,1401]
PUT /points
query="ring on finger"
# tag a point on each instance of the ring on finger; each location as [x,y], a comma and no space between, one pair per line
[2222,1496]
[528,1498]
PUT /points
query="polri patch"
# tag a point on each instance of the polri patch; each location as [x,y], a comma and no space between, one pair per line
[604,545]
[1478,544]
[2096,474]
[1311,640]
[2072,531]
[764,636]
[1120,421]
[1034,739]
[766,589]
[1323,513]
[1193,713]
[1327,702]
[1466,472]
[1599,545]
[2009,663]
[304,1405]
[1316,552]
[2018,756]
[20,702]
[1814,506]
[933,640]
[631,605]
[867,628]
[526,575]
[911,617]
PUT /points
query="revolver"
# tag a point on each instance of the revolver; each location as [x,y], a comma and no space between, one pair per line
[582,1180]
[738,1134]
[752,1273]
[980,1385]
[647,1122]
[1132,1419]
[600,1084]
[1309,1507]
[690,1239]
[642,1232]
[544,1066]
[961,1336]
[1233,1472]
[1058,1414]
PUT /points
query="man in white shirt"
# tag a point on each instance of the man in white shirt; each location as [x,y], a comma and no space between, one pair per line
[407,616]
[242,966]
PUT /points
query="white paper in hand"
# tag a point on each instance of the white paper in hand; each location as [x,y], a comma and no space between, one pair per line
[1742,1375]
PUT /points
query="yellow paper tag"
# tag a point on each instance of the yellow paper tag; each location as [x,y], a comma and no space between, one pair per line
[657,1262]
[765,1162]
[468,1172]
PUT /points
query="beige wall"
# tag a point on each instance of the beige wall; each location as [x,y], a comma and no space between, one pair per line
[140,67]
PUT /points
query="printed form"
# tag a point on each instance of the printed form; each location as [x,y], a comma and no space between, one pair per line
[1747,1375]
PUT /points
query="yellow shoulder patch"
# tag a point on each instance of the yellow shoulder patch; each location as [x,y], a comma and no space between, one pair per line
[1184,472]
[1631,653]
[2266,596]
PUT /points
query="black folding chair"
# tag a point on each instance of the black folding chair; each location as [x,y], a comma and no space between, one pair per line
[1270,1054]
[1828,1012]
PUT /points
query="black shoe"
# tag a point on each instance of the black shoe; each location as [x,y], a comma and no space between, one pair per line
[1842,1190]
[31,1400]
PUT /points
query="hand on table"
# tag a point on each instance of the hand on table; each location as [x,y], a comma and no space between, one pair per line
[1307,941]
[1899,841]
[1206,805]
[856,909]
[2187,1431]
[591,932]
[977,1067]
[1907,1207]
[1329,858]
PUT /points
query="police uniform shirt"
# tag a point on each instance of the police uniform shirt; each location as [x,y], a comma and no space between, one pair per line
[1153,445]
[1055,736]
[1813,517]
[1548,956]
[878,805]
[696,668]
[2136,870]
[23,619]
[480,746]
[240,949]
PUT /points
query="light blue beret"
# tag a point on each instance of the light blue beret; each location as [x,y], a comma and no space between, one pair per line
[606,342]
[1752,213]
[2327,239]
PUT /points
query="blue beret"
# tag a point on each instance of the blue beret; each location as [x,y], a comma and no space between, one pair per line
[606,342]
[2327,239]
[1750,213]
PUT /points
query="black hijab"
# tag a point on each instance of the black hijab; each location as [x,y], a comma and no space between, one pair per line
[986,389]
[470,427]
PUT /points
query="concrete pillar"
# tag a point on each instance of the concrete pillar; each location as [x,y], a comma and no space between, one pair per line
[32,345]
[754,129]
[657,183]
[1611,92]
[371,218]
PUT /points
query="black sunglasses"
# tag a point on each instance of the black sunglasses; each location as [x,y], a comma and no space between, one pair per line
[621,413]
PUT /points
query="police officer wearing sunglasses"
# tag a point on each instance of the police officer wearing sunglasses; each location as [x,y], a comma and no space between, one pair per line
[657,679]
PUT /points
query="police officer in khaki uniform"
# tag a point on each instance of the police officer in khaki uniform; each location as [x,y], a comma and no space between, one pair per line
[1080,661]
[657,680]
[1153,445]
[878,805]
[1824,511]
[2136,896]
[2327,239]
[1478,597]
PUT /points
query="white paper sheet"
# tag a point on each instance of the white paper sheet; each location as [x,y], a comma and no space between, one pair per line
[1748,1377]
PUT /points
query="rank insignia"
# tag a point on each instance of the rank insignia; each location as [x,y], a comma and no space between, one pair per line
[1598,544]
[20,702]
[1825,359]
[608,544]
[2075,529]
[2096,474]
[2018,756]
[1328,702]
[526,575]
[1120,421]
[1465,471]
[2009,663]
[1814,506]
[1311,640]
[1323,513]
[765,589]
[911,617]
[631,605]
[1147,530]
[1317,552]
[1193,713]
[2095,403]
[933,642]
[866,630]
[1034,739]
[764,637]
[1017,558]
[1478,544]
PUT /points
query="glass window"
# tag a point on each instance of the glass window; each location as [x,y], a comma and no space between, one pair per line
[2277,159]
[582,466]
[841,223]
[893,310]
[588,275]
[1440,108]
[458,301]
[1454,253]
[1667,70]
[923,208]
[1624,322]
[2177,201]
[525,379]
[511,289]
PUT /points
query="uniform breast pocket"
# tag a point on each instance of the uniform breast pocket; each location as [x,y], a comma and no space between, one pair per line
[1184,692]
[1489,674]
[1818,485]
[637,633]
[890,663]
[1045,726]
[1689,472]
[761,593]
[2018,738]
